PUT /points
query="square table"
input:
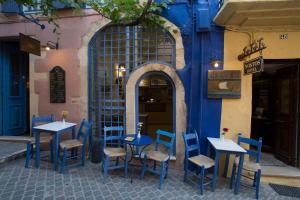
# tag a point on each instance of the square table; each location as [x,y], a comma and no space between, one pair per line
[56,129]
[229,147]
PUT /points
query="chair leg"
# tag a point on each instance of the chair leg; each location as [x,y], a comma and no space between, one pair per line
[106,165]
[154,166]
[28,154]
[126,165]
[32,150]
[232,176]
[254,180]
[144,166]
[161,177]
[117,161]
[82,155]
[167,167]
[202,171]
[258,174]
[51,151]
[63,161]
[186,167]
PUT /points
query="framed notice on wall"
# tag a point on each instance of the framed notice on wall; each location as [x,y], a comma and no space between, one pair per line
[57,85]
[224,84]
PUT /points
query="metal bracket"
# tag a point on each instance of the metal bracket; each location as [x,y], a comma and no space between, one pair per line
[33,20]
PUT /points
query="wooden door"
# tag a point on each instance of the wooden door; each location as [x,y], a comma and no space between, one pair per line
[14,111]
[286,114]
[1,88]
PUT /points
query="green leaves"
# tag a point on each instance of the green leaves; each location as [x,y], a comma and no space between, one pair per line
[120,12]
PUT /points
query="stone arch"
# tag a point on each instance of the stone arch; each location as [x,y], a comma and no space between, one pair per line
[180,111]
[83,56]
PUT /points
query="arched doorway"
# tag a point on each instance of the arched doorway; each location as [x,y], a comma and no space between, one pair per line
[179,106]
[155,106]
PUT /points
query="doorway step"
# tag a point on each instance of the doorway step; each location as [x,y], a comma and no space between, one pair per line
[275,171]
[10,151]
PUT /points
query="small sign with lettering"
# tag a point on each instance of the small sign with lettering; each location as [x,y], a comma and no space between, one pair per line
[57,85]
[224,84]
[253,66]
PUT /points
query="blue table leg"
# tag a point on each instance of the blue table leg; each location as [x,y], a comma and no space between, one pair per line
[215,176]
[238,176]
[56,154]
[73,132]
[37,149]
[226,165]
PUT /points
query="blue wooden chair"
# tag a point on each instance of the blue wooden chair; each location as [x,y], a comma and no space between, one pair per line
[68,146]
[45,138]
[158,156]
[113,149]
[193,156]
[249,166]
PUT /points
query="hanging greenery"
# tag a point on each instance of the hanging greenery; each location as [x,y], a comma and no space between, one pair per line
[120,12]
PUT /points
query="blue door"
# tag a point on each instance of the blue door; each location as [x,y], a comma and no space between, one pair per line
[13,67]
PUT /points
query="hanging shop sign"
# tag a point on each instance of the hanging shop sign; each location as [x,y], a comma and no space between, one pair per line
[57,85]
[224,84]
[30,45]
[253,66]
[256,46]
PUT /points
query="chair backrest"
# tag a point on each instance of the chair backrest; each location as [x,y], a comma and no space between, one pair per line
[191,142]
[41,120]
[112,136]
[256,143]
[168,144]
[85,131]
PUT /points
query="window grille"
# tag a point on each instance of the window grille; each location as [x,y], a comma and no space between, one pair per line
[114,53]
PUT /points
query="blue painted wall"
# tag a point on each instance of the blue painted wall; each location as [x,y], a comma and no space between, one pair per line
[201,47]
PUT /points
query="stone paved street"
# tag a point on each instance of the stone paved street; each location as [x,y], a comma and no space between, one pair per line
[11,150]
[17,182]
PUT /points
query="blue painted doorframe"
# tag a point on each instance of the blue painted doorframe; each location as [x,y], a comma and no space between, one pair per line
[13,66]
[201,47]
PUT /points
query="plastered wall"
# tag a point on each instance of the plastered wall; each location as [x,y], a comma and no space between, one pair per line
[236,113]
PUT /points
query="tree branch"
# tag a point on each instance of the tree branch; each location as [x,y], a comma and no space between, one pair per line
[140,18]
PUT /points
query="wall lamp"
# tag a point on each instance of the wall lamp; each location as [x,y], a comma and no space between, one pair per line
[216,63]
[122,67]
[51,45]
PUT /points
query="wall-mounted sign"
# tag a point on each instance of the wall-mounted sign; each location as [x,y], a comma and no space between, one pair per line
[30,45]
[253,66]
[254,47]
[224,84]
[57,85]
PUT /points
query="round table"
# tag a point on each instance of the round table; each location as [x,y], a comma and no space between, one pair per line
[135,144]
[143,142]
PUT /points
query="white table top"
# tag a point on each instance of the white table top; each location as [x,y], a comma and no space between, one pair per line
[55,126]
[225,145]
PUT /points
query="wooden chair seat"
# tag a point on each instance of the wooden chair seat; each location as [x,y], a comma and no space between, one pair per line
[157,156]
[202,160]
[248,165]
[114,151]
[69,144]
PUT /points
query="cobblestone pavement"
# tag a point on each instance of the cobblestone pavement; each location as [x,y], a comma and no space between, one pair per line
[11,150]
[17,182]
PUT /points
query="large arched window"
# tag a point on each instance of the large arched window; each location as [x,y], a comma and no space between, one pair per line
[114,53]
